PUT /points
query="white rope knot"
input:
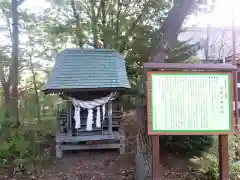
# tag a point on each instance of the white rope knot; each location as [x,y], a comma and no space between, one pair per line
[90,105]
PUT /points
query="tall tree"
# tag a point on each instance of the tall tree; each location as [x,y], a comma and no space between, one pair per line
[5,81]
[5,68]
[166,37]
[94,23]
[34,82]
[164,41]
[15,63]
[78,29]
[6,63]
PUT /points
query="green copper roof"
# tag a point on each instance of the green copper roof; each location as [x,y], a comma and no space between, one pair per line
[88,68]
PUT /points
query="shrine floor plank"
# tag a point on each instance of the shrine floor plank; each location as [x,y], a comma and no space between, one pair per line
[61,138]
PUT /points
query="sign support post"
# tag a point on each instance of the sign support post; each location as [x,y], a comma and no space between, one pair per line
[155,157]
[223,157]
[181,100]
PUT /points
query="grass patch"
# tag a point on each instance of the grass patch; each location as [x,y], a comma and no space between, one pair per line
[25,147]
[209,161]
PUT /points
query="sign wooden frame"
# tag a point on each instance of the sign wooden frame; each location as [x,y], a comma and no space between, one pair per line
[222,138]
[207,132]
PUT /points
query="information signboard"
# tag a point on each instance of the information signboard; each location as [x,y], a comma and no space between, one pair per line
[189,103]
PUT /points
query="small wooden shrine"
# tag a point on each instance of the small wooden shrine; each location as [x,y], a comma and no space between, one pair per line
[89,81]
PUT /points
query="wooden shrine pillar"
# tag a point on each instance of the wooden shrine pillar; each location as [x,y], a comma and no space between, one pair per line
[69,118]
[110,118]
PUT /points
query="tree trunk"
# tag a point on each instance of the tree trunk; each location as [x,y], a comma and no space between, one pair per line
[206,43]
[103,15]
[14,67]
[6,98]
[143,154]
[166,36]
[6,92]
[117,26]
[94,23]
[164,40]
[78,26]
[35,91]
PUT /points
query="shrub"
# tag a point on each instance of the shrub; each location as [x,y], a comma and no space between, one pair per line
[210,162]
[186,145]
[210,169]
[20,147]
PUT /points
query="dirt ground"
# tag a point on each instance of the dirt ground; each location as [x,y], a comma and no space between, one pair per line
[94,165]
[104,165]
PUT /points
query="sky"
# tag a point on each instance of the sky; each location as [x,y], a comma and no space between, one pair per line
[30,5]
[220,29]
[221,16]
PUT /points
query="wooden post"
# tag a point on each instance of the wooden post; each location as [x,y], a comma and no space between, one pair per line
[223,157]
[155,158]
[110,117]
[58,128]
[69,118]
